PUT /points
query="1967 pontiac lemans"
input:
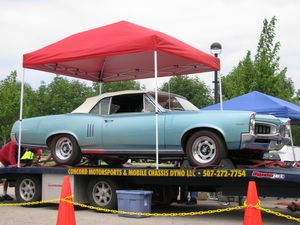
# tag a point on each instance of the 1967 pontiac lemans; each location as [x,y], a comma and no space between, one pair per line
[121,125]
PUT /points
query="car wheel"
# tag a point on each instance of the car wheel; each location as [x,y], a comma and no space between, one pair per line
[102,193]
[28,189]
[116,161]
[65,150]
[205,148]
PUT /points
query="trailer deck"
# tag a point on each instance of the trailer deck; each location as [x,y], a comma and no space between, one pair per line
[279,182]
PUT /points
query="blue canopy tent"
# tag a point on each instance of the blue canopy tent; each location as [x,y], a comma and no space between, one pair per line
[262,104]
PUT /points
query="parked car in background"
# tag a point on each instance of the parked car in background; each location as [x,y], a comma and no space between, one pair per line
[121,125]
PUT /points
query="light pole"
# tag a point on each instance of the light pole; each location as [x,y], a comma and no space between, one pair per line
[216,49]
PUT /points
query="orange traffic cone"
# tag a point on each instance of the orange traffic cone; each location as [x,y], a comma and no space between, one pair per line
[66,215]
[252,212]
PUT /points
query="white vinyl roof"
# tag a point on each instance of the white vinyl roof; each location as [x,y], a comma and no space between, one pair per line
[89,103]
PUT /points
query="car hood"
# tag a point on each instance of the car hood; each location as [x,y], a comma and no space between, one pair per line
[270,119]
[258,117]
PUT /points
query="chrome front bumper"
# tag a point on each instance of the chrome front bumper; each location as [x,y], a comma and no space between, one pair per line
[263,142]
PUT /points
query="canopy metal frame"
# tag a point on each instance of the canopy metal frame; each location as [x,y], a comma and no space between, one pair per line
[131,54]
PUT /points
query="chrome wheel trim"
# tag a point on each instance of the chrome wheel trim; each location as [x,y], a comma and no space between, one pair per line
[27,189]
[63,148]
[204,149]
[102,193]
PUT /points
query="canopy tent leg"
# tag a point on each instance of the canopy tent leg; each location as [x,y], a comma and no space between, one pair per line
[100,88]
[293,147]
[156,110]
[101,77]
[220,87]
[21,118]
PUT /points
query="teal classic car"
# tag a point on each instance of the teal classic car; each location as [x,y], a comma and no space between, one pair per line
[121,125]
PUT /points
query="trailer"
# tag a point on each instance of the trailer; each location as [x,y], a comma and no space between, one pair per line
[97,185]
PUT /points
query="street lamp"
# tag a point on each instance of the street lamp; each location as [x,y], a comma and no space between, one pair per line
[216,49]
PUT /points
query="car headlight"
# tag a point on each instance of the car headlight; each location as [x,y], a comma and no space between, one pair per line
[252,123]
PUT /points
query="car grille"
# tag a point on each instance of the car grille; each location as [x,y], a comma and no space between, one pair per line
[262,129]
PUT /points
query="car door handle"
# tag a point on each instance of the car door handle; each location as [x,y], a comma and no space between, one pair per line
[108,121]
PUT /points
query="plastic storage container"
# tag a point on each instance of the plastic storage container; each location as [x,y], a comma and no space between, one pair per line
[134,201]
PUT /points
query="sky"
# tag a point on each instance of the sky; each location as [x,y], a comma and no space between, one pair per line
[28,25]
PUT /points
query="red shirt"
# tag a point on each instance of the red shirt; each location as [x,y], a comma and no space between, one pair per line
[8,154]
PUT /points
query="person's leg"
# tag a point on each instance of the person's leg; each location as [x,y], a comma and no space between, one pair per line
[2,196]
[5,187]
[194,194]
[4,183]
[193,198]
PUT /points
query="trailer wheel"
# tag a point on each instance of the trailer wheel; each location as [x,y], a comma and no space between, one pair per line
[28,189]
[65,150]
[205,148]
[164,196]
[102,193]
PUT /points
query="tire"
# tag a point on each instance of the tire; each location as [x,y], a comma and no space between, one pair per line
[164,196]
[28,189]
[65,150]
[205,148]
[115,161]
[102,193]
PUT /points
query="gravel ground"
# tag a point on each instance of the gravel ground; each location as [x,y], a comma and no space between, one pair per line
[46,215]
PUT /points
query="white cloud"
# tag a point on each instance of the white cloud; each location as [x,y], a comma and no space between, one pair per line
[30,25]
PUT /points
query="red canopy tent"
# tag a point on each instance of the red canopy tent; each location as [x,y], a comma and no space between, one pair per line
[118,52]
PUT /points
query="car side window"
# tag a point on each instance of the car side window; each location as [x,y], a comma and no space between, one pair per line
[148,106]
[114,108]
[130,103]
[102,107]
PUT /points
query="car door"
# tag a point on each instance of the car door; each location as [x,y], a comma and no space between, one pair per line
[130,126]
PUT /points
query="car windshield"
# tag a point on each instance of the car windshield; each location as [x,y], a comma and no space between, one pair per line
[173,102]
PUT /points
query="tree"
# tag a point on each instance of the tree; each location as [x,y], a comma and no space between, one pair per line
[10,103]
[117,86]
[261,73]
[191,88]
[60,96]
